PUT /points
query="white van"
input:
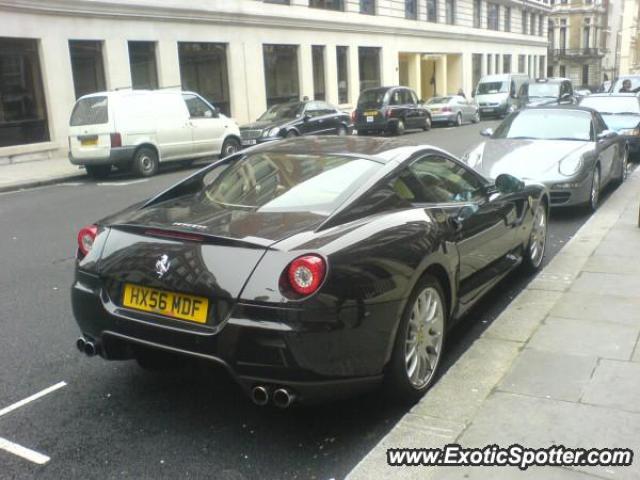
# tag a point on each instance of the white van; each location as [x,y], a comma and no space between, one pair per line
[498,94]
[138,129]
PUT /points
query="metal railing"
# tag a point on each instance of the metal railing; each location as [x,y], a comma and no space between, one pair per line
[578,52]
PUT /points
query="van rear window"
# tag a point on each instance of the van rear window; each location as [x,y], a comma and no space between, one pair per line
[90,111]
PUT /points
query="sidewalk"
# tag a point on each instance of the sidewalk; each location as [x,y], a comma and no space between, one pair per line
[560,366]
[39,172]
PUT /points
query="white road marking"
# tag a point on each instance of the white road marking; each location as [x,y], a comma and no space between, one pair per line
[33,397]
[121,184]
[23,452]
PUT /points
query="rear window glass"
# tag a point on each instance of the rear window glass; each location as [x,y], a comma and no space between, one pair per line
[280,182]
[371,98]
[90,111]
[487,88]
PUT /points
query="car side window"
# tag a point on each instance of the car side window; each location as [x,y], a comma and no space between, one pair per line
[413,98]
[395,98]
[313,109]
[326,109]
[197,107]
[446,181]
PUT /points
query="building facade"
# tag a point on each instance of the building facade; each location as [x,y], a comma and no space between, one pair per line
[627,40]
[578,34]
[245,55]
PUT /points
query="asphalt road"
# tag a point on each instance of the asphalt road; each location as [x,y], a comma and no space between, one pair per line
[112,420]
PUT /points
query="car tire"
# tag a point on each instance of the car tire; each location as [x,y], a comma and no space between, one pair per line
[459,120]
[229,147]
[341,131]
[399,382]
[291,134]
[153,360]
[145,162]
[427,123]
[399,128]
[536,246]
[476,118]
[624,167]
[594,195]
[98,172]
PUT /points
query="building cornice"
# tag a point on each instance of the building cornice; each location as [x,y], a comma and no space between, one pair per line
[264,16]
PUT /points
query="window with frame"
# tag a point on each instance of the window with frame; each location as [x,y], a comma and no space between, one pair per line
[411,9]
[327,4]
[369,67]
[317,56]
[521,64]
[432,11]
[368,7]
[87,66]
[532,26]
[23,109]
[197,107]
[507,19]
[281,73]
[450,12]
[203,69]
[142,62]
[506,63]
[541,25]
[477,13]
[525,22]
[493,16]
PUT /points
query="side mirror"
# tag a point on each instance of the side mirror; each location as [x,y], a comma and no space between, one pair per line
[506,183]
[607,135]
[487,132]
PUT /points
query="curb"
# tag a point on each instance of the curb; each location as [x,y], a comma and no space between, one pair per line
[40,183]
[450,407]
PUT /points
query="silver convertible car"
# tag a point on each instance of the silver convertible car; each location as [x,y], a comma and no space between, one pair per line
[567,148]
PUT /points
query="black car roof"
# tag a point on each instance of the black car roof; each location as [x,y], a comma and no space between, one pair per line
[372,147]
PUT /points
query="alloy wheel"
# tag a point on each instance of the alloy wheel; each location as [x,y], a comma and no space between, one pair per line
[147,164]
[423,343]
[459,119]
[400,127]
[538,239]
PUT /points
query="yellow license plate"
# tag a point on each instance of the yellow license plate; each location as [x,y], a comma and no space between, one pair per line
[89,142]
[170,304]
[371,114]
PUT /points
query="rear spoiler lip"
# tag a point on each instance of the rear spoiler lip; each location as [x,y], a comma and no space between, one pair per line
[207,238]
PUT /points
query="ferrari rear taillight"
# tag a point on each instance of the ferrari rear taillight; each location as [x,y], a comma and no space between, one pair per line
[116,140]
[306,274]
[86,236]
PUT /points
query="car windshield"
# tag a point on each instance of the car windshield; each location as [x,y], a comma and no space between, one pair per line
[372,98]
[90,111]
[611,105]
[551,90]
[485,88]
[546,124]
[282,111]
[439,100]
[633,85]
[283,182]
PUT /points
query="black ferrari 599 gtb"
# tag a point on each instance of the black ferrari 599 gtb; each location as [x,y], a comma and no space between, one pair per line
[310,268]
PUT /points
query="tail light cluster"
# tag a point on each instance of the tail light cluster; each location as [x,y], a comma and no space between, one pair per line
[116,140]
[86,236]
[305,274]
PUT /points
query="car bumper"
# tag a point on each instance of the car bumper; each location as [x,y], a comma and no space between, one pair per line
[494,110]
[246,143]
[318,358]
[443,117]
[116,156]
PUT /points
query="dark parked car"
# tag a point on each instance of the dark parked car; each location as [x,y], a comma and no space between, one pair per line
[390,110]
[547,91]
[309,268]
[621,113]
[292,119]
[566,147]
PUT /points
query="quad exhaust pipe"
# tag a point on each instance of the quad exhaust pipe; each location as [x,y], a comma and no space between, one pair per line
[282,397]
[88,347]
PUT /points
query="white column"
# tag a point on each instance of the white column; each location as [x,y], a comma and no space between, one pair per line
[331,74]
[354,75]
[389,66]
[305,71]
[238,88]
[116,63]
[467,74]
[168,64]
[256,84]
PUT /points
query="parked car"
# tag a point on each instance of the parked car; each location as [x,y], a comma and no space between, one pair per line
[547,91]
[139,129]
[309,268]
[567,148]
[621,113]
[453,109]
[497,95]
[632,84]
[581,93]
[390,110]
[292,119]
